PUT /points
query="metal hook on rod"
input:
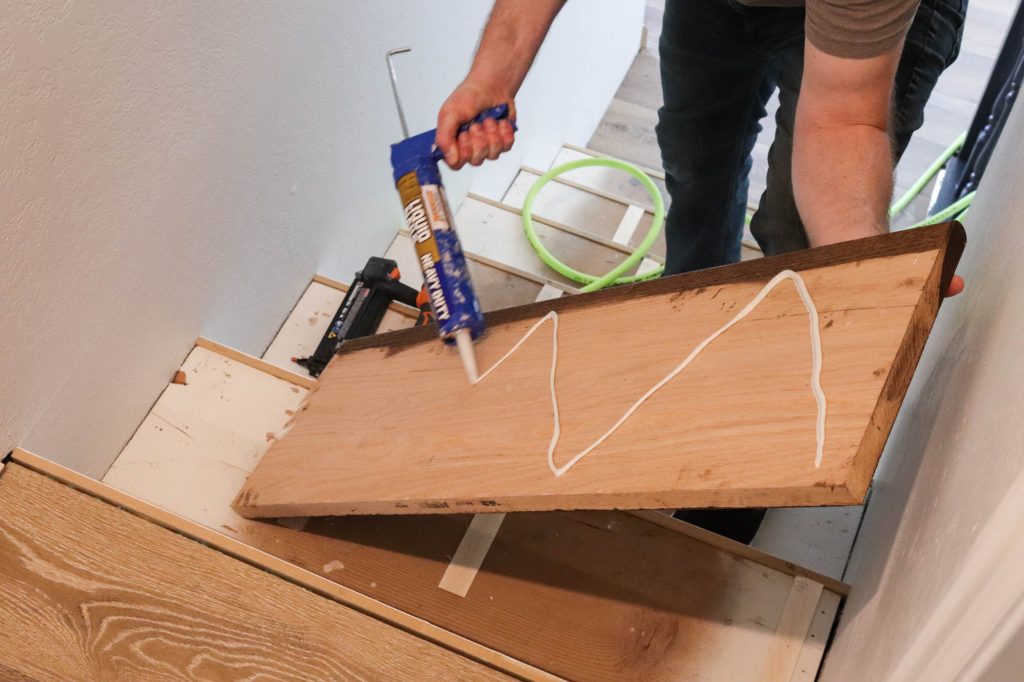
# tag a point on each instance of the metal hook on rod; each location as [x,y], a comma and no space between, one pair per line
[394,86]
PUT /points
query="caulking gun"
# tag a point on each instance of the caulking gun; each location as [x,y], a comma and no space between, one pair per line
[445,275]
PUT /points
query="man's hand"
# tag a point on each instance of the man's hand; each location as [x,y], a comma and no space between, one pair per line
[956,285]
[511,39]
[481,141]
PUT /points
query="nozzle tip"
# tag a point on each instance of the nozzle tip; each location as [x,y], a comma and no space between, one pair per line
[464,342]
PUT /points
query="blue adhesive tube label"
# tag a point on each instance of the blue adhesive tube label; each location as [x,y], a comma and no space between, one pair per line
[440,255]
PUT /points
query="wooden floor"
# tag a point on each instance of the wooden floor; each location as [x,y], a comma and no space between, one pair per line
[93,592]
[627,130]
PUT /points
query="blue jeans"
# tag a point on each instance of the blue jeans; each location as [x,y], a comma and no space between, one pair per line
[720,63]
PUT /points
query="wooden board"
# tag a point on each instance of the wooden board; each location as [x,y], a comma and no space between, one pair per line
[92,592]
[736,429]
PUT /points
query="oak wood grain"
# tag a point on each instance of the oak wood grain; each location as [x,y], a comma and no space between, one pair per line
[559,587]
[91,592]
[735,429]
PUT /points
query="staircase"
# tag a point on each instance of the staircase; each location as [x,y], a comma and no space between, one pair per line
[583,595]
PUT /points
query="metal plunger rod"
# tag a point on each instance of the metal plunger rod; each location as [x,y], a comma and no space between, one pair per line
[394,87]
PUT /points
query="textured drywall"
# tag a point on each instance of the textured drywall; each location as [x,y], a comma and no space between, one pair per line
[956,448]
[176,168]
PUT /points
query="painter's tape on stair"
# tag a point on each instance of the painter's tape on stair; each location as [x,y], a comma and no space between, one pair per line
[627,226]
[549,292]
[461,572]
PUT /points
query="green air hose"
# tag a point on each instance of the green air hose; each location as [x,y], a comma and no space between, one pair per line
[932,171]
[613,276]
[958,209]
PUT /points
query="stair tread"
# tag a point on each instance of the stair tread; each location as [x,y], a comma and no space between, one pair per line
[581,209]
[197,445]
[608,179]
[496,288]
[497,233]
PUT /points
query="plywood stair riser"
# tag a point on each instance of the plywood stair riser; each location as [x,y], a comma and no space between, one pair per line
[540,598]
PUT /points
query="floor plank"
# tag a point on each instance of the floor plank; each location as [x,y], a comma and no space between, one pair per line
[91,592]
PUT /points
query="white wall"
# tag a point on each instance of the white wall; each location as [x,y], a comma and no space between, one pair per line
[938,523]
[180,168]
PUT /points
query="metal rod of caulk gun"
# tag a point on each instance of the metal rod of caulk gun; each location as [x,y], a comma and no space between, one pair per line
[394,87]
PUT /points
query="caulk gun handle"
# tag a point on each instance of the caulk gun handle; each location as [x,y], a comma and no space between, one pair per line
[497,113]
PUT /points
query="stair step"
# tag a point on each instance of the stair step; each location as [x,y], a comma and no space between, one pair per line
[495,231]
[577,206]
[609,180]
[497,285]
[306,324]
[617,185]
[197,445]
[195,449]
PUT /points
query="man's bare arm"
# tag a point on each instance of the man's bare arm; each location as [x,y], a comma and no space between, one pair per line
[510,42]
[842,152]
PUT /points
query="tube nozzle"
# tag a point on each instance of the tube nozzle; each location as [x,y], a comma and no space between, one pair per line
[464,341]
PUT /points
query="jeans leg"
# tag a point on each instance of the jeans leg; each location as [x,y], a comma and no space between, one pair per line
[932,44]
[711,71]
[776,225]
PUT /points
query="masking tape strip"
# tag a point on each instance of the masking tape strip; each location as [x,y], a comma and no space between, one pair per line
[469,556]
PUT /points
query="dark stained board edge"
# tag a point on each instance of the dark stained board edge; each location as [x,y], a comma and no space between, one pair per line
[818,494]
[908,355]
[919,239]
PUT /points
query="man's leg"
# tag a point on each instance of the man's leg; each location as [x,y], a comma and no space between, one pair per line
[712,79]
[776,225]
[717,75]
[716,80]
[932,44]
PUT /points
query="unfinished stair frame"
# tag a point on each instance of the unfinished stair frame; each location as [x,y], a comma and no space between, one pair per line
[143,473]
